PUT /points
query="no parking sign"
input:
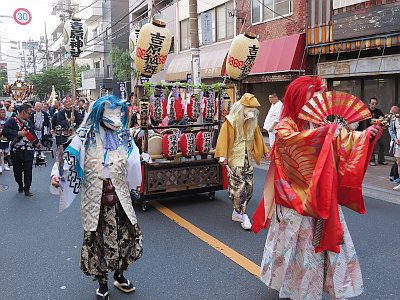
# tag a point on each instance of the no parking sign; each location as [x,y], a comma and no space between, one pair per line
[22,16]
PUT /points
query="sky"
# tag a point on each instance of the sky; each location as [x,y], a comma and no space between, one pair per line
[10,30]
[41,12]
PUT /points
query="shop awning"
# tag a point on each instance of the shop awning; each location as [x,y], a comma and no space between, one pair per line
[280,55]
[211,60]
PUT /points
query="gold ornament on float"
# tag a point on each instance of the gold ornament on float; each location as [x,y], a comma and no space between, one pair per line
[153,44]
[241,55]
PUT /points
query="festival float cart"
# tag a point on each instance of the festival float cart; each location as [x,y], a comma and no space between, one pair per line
[180,124]
[181,148]
[19,90]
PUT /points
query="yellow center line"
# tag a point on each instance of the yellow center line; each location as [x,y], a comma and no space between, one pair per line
[236,257]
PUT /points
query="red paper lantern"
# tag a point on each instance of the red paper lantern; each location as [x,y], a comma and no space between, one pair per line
[178,108]
[210,107]
[203,141]
[193,108]
[187,143]
[170,145]
[164,103]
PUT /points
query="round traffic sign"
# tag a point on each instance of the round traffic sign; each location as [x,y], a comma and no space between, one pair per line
[22,16]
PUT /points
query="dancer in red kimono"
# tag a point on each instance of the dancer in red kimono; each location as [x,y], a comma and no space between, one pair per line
[314,171]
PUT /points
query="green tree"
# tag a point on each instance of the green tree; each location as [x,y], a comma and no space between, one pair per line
[60,77]
[3,80]
[121,64]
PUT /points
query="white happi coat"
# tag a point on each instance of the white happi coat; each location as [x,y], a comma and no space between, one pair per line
[86,163]
[273,116]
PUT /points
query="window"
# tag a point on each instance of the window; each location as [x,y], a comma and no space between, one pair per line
[184,32]
[230,20]
[94,33]
[97,65]
[172,47]
[223,22]
[265,10]
[212,12]
[256,11]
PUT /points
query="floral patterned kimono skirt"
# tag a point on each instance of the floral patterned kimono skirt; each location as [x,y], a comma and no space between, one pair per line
[113,246]
[291,266]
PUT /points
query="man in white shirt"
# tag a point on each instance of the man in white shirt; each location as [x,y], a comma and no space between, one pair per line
[273,116]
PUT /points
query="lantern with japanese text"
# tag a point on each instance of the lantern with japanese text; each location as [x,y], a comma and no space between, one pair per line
[193,108]
[153,44]
[132,43]
[156,109]
[179,109]
[210,107]
[241,56]
[170,145]
[75,37]
[187,144]
[144,112]
[203,142]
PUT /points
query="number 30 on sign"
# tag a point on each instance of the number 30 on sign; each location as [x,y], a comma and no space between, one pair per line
[22,16]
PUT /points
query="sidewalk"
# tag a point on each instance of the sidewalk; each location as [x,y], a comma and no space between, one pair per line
[376,181]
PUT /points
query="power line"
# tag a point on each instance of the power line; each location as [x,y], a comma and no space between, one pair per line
[112,25]
[131,22]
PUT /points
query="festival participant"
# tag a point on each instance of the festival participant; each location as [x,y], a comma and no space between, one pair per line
[272,118]
[20,131]
[4,143]
[63,122]
[103,160]
[41,121]
[313,172]
[239,143]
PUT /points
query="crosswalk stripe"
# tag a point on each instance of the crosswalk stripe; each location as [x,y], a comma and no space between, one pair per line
[236,257]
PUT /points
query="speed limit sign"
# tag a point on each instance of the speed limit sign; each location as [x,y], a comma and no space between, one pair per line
[22,16]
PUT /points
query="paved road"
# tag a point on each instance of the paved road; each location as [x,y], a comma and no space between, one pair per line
[39,249]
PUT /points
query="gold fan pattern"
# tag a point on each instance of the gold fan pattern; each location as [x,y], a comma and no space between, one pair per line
[334,107]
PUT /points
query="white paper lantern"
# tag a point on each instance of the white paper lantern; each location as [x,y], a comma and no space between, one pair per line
[241,55]
[132,43]
[152,48]
[75,37]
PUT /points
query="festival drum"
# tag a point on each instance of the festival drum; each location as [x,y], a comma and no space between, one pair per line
[170,145]
[155,146]
[187,144]
[203,141]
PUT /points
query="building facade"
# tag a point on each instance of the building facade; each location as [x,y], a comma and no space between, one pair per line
[280,27]
[108,27]
[355,45]
[213,50]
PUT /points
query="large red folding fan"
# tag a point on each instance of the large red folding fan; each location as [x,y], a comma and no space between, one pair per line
[334,107]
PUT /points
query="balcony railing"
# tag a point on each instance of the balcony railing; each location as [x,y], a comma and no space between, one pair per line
[97,73]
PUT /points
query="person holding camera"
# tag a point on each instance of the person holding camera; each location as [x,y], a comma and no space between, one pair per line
[20,131]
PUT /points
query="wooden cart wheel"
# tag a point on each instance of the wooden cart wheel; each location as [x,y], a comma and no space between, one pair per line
[211,196]
[145,206]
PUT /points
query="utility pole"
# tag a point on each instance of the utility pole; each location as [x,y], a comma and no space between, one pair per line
[24,61]
[46,40]
[33,58]
[150,4]
[194,41]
